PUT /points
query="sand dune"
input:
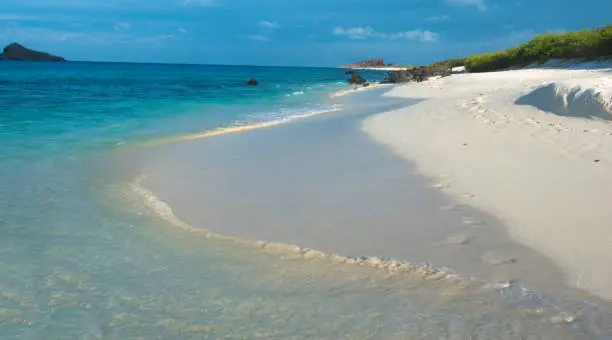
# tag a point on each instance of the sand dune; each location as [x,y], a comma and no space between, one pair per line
[533,147]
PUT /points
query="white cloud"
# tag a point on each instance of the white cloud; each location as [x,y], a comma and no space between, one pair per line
[360,33]
[422,36]
[479,4]
[356,33]
[122,26]
[438,18]
[182,30]
[268,24]
[257,38]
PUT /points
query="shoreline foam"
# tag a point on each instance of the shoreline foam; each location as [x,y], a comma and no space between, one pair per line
[225,130]
[392,266]
[163,210]
[555,313]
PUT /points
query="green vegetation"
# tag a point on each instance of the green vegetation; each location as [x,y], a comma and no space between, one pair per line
[585,44]
[448,64]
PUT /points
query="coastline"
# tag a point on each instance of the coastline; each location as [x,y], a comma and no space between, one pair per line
[434,230]
[517,144]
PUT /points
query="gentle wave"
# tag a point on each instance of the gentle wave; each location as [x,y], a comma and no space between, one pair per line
[254,126]
[281,118]
[552,311]
[163,210]
[296,93]
[392,266]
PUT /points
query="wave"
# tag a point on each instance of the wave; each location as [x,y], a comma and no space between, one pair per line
[266,120]
[282,118]
[296,93]
[163,210]
[511,289]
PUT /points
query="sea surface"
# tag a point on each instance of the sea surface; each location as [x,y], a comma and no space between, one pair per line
[86,254]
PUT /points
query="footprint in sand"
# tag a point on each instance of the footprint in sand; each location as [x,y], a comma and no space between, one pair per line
[470,221]
[468,195]
[459,240]
[439,185]
[450,207]
[497,259]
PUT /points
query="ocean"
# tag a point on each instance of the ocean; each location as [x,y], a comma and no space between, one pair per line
[86,254]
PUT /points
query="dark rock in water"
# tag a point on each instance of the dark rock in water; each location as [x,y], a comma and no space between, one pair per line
[349,72]
[417,74]
[15,51]
[356,79]
[253,82]
[366,84]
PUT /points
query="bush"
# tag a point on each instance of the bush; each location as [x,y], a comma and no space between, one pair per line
[448,63]
[585,44]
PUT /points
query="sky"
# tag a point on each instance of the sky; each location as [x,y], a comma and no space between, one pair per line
[287,32]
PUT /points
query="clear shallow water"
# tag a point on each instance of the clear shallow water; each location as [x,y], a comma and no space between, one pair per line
[82,257]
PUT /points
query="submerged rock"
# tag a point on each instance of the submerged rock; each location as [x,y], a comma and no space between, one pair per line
[16,51]
[253,82]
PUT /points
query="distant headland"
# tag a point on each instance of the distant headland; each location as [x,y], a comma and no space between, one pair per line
[373,64]
[16,51]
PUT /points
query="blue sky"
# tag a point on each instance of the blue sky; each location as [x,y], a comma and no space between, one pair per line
[286,32]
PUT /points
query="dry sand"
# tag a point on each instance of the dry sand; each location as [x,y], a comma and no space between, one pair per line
[531,147]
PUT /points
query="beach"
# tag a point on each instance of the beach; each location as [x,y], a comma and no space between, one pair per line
[321,183]
[531,147]
[199,207]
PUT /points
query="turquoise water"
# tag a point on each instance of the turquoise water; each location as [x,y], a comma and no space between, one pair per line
[82,256]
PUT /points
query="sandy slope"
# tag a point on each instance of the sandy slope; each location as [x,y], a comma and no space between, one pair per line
[547,174]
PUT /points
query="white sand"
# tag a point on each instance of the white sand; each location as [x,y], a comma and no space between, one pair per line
[547,174]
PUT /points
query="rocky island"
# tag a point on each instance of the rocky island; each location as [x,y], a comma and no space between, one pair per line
[16,51]
[373,64]
[367,63]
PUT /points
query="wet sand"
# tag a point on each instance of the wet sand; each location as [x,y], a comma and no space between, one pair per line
[321,183]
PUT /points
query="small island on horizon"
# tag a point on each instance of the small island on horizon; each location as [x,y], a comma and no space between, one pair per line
[16,51]
[373,64]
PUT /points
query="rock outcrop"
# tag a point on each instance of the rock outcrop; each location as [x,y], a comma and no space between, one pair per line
[356,79]
[15,51]
[367,63]
[417,74]
[253,82]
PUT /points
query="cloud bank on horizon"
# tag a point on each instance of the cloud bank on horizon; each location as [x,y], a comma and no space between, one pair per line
[278,32]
